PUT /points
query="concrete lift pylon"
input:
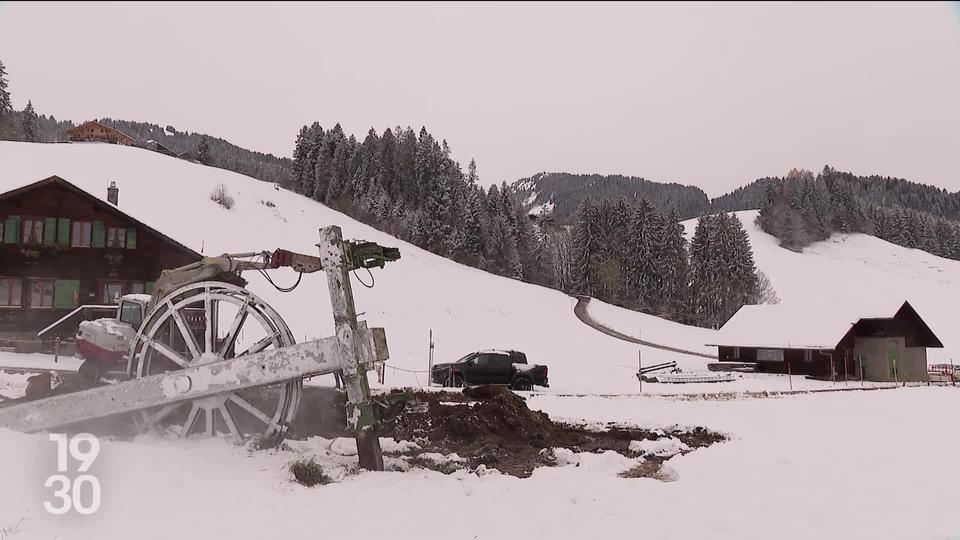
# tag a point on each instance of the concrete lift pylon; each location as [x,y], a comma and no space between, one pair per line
[352,351]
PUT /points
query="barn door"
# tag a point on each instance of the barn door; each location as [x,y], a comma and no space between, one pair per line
[892,359]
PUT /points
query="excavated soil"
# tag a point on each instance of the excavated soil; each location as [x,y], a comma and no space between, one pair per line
[492,426]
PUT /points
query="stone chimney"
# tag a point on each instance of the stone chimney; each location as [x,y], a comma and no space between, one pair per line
[113,193]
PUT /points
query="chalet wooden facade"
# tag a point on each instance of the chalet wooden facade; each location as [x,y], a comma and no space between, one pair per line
[828,343]
[94,131]
[62,247]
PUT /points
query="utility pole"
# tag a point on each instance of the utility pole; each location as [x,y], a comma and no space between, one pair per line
[360,413]
[430,362]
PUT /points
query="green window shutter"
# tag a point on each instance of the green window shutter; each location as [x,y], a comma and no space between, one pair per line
[63,231]
[11,230]
[99,235]
[148,288]
[65,293]
[49,231]
[131,238]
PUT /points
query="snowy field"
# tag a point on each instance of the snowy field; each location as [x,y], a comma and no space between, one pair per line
[862,464]
[878,464]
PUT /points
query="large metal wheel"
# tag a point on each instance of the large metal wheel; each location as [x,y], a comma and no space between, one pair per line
[207,322]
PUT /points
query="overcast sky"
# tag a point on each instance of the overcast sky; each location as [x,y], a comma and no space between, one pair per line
[714,95]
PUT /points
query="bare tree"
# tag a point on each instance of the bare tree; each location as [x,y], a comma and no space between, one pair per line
[765,292]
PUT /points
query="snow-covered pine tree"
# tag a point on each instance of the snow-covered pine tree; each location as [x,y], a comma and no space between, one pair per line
[945,239]
[744,280]
[673,265]
[640,269]
[300,149]
[6,107]
[471,225]
[204,153]
[313,145]
[585,248]
[704,287]
[31,126]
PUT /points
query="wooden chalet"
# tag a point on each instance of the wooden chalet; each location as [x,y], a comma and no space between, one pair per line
[94,131]
[826,342]
[63,247]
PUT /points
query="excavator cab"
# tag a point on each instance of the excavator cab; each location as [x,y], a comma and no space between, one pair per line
[131,309]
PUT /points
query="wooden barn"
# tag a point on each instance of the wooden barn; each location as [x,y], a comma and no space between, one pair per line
[63,247]
[96,132]
[826,342]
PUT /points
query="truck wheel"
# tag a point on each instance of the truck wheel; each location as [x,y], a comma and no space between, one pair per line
[522,384]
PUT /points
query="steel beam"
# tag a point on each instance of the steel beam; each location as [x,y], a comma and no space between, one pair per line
[268,367]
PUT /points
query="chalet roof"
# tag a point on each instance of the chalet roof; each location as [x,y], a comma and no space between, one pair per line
[818,327]
[99,203]
[88,122]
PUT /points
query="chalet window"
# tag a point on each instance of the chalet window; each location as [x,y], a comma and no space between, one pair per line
[808,355]
[10,292]
[32,230]
[735,354]
[82,231]
[116,237]
[110,292]
[41,293]
[770,355]
[137,287]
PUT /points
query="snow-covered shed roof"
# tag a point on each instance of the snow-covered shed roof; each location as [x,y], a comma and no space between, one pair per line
[807,326]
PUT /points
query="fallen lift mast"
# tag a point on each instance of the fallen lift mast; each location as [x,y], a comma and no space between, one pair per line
[352,351]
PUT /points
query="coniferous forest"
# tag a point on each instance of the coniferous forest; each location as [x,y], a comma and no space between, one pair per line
[802,208]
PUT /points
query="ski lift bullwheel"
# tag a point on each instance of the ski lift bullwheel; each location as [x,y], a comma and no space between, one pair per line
[208,322]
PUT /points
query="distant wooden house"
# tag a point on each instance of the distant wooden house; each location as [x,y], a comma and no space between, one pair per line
[829,342]
[189,155]
[63,247]
[94,131]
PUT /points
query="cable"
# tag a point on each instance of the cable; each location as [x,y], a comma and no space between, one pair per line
[405,370]
[373,280]
[279,288]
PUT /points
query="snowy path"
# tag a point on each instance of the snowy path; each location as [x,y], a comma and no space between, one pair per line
[581,310]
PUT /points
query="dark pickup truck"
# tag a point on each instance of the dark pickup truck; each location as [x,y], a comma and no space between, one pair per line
[491,367]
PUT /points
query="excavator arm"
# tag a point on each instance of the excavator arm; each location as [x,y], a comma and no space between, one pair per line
[229,266]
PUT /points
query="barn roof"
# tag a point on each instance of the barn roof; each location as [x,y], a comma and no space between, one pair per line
[819,327]
[101,205]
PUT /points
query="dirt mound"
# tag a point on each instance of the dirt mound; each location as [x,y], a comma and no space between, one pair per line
[492,426]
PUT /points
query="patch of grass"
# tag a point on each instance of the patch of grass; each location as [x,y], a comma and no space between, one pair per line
[309,473]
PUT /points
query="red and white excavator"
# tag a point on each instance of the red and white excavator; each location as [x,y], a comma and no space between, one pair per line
[104,344]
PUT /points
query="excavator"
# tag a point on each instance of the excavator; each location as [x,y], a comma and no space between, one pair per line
[104,344]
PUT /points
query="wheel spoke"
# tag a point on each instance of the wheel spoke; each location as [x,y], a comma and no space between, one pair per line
[208,416]
[234,328]
[231,423]
[191,419]
[166,351]
[261,345]
[208,315]
[252,409]
[188,336]
[165,411]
